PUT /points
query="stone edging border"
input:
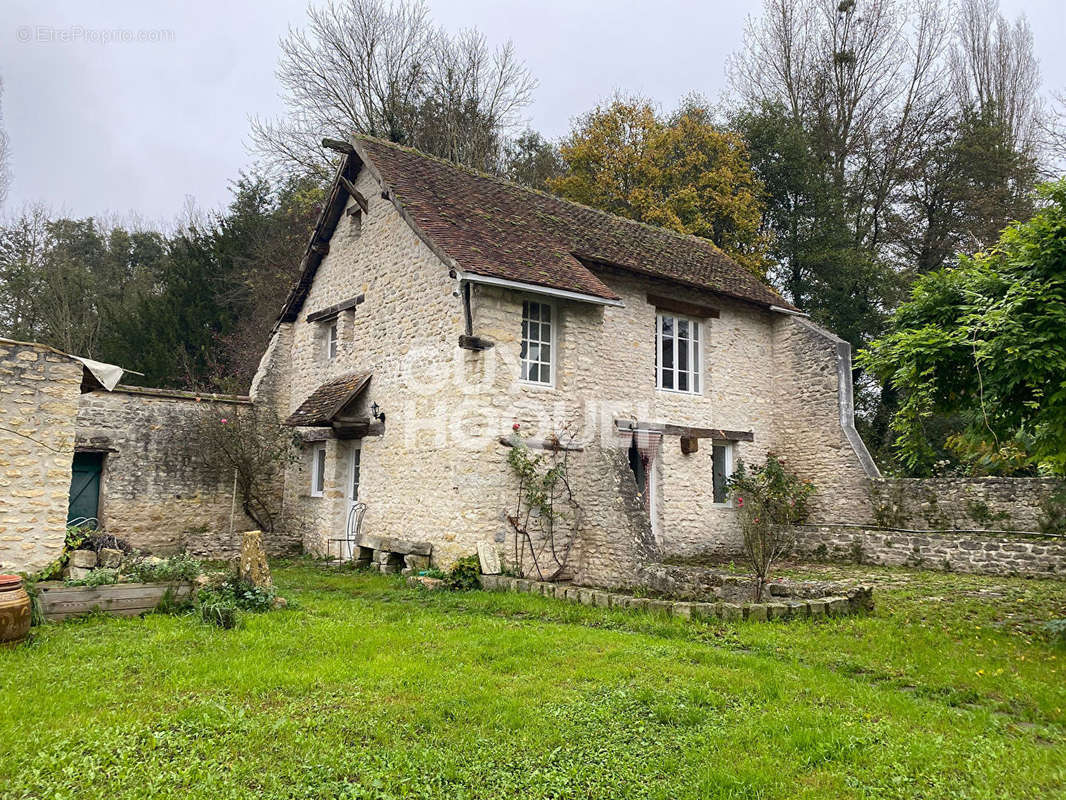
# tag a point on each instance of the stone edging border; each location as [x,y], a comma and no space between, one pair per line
[858,600]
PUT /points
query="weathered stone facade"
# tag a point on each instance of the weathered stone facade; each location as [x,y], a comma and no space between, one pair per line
[39,389]
[157,491]
[439,471]
[974,552]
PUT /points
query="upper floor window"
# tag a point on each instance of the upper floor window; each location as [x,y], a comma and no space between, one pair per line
[332,337]
[538,342]
[677,353]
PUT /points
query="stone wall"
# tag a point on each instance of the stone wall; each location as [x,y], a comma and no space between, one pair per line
[157,490]
[814,420]
[1010,504]
[974,552]
[39,390]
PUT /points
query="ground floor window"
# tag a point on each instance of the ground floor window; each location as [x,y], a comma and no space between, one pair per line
[318,470]
[722,457]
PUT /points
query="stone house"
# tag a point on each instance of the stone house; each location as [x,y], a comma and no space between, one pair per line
[438,308]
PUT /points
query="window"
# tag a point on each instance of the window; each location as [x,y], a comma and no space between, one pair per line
[677,353]
[318,471]
[537,342]
[353,489]
[332,335]
[722,470]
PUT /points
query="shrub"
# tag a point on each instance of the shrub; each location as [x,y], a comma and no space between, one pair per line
[240,594]
[465,574]
[98,577]
[770,500]
[1056,630]
[181,567]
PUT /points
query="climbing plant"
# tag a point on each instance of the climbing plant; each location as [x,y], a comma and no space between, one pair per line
[547,517]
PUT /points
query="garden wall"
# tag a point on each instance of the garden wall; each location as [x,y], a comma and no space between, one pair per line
[157,491]
[39,390]
[957,551]
[1011,504]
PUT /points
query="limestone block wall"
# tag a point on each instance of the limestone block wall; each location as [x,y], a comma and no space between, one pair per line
[972,552]
[813,420]
[960,503]
[157,490]
[39,390]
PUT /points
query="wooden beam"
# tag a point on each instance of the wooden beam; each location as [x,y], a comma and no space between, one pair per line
[474,342]
[685,431]
[685,307]
[355,194]
[334,310]
[338,146]
[708,433]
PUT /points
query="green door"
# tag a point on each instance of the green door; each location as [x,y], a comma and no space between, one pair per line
[85,487]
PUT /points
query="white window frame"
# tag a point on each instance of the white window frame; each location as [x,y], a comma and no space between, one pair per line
[730,466]
[355,462]
[318,471]
[333,338]
[553,358]
[694,367]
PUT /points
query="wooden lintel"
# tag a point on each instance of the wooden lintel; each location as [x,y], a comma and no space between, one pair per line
[334,310]
[685,307]
[357,430]
[474,342]
[338,146]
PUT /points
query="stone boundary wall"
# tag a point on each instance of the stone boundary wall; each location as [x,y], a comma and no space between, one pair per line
[858,600]
[39,389]
[157,491]
[1004,504]
[978,552]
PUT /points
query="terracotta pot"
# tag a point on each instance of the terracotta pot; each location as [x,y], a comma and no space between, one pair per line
[14,610]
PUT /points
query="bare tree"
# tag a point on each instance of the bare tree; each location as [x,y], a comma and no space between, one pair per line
[384,69]
[5,153]
[865,75]
[994,71]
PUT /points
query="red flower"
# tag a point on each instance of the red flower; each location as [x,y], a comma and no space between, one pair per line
[740,501]
[515,427]
[224,420]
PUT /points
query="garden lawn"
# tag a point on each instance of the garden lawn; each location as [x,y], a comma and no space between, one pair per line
[370,689]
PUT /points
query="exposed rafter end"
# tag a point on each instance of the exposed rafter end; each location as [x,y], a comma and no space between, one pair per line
[474,343]
[337,145]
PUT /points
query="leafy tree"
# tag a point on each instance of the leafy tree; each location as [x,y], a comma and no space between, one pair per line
[531,160]
[984,344]
[681,172]
[5,155]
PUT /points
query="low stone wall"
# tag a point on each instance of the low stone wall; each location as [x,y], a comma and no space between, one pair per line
[685,582]
[978,552]
[858,600]
[157,492]
[1004,504]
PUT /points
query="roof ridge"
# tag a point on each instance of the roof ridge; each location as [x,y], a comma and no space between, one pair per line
[549,196]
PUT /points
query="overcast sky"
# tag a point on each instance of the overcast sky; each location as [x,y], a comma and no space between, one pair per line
[102,127]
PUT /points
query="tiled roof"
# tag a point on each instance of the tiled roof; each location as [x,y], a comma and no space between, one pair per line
[327,400]
[497,229]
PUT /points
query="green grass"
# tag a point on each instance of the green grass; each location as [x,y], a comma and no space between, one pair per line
[369,689]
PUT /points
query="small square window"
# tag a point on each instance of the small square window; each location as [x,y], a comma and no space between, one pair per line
[538,333]
[318,471]
[722,471]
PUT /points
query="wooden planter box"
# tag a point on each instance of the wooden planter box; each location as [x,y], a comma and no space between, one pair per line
[59,601]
